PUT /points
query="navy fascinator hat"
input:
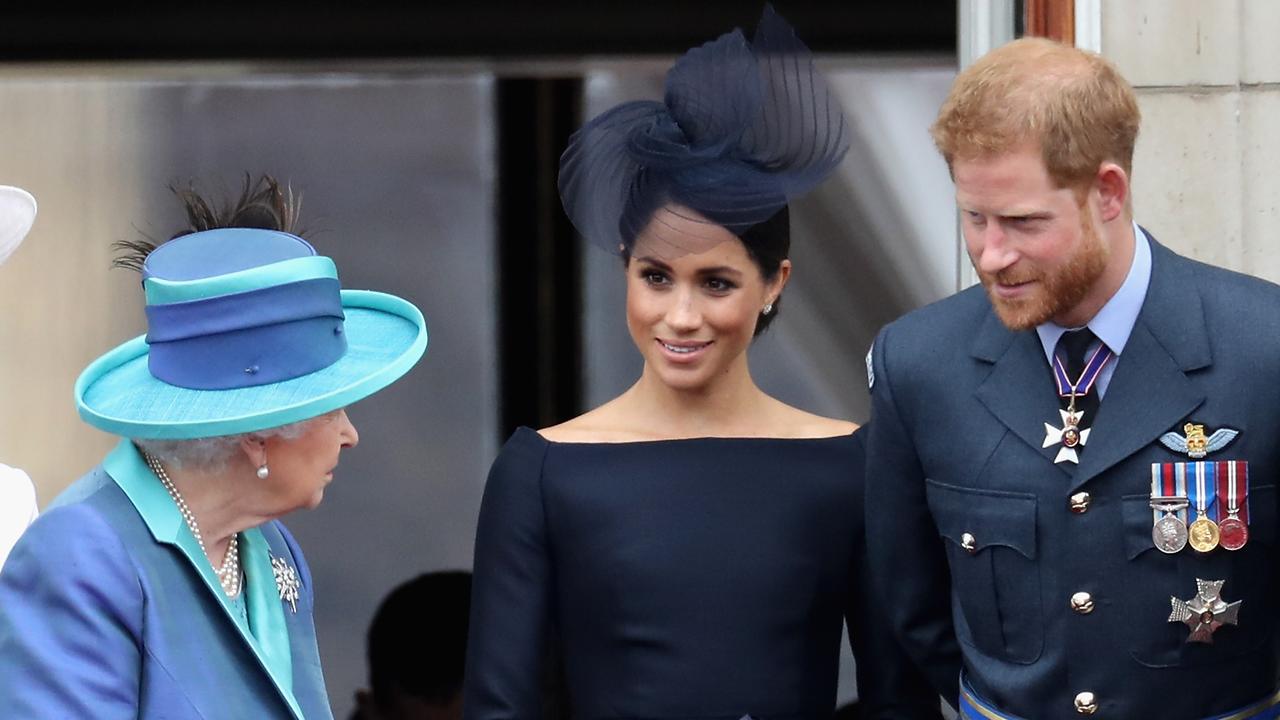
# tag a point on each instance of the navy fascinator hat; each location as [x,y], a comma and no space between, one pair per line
[744,128]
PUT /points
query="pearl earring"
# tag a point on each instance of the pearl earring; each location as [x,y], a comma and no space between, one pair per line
[263,472]
[768,308]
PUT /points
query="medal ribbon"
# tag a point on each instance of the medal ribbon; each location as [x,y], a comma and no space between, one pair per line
[1233,484]
[1157,489]
[1203,491]
[1092,369]
[1168,480]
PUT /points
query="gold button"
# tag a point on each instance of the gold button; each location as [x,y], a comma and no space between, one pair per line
[1086,704]
[1080,502]
[1082,602]
[968,542]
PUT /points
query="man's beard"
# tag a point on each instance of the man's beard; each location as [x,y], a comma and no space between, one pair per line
[1059,291]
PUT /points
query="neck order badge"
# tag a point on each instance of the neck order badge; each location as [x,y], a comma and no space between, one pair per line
[1071,435]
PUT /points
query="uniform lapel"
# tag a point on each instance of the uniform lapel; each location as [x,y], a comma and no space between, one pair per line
[1019,391]
[1150,391]
[1148,394]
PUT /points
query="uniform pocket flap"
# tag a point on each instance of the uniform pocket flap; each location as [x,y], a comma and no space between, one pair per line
[975,519]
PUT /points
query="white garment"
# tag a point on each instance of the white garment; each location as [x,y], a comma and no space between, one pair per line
[17,507]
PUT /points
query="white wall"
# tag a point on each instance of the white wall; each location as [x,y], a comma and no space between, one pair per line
[1207,74]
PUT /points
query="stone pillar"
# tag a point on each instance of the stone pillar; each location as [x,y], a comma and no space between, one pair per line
[1207,73]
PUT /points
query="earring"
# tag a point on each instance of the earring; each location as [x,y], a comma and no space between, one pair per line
[263,472]
[768,308]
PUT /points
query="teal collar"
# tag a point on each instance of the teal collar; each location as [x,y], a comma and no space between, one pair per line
[266,631]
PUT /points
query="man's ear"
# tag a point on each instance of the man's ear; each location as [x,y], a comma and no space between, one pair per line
[1112,184]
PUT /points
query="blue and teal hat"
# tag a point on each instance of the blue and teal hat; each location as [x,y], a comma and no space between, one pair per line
[247,330]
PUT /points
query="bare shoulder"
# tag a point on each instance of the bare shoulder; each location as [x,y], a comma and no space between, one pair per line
[797,423]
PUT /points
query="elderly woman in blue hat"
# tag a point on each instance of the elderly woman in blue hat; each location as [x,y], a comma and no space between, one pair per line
[694,546]
[163,585]
[17,496]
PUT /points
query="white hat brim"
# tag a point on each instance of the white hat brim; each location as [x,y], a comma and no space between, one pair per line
[17,213]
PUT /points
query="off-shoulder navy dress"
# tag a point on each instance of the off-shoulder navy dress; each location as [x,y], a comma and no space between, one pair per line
[701,578]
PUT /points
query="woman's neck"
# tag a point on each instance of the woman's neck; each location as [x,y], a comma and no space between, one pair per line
[729,405]
[220,501]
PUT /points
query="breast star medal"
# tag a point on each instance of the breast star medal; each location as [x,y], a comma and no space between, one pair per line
[286,582]
[1070,435]
[1206,612]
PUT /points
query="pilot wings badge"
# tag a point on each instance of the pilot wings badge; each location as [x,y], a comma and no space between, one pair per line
[1195,444]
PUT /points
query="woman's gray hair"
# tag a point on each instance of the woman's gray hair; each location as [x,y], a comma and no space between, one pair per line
[213,453]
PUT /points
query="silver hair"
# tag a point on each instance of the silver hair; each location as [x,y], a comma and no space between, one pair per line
[213,453]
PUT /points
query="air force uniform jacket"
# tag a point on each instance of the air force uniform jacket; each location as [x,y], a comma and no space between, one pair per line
[1041,580]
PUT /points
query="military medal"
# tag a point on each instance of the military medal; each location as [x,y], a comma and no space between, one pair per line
[1070,435]
[1170,532]
[1203,533]
[1233,484]
[1220,482]
[1206,612]
[1169,507]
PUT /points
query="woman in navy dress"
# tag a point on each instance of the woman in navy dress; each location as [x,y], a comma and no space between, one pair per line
[693,546]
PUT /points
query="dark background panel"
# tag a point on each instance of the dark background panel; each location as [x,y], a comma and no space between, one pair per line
[452,28]
[539,338]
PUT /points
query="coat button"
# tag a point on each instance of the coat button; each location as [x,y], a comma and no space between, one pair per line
[1082,602]
[1086,704]
[968,542]
[1080,502]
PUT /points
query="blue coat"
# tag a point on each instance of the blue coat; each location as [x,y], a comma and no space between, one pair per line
[955,450]
[103,614]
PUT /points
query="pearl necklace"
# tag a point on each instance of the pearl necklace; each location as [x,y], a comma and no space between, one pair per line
[229,574]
